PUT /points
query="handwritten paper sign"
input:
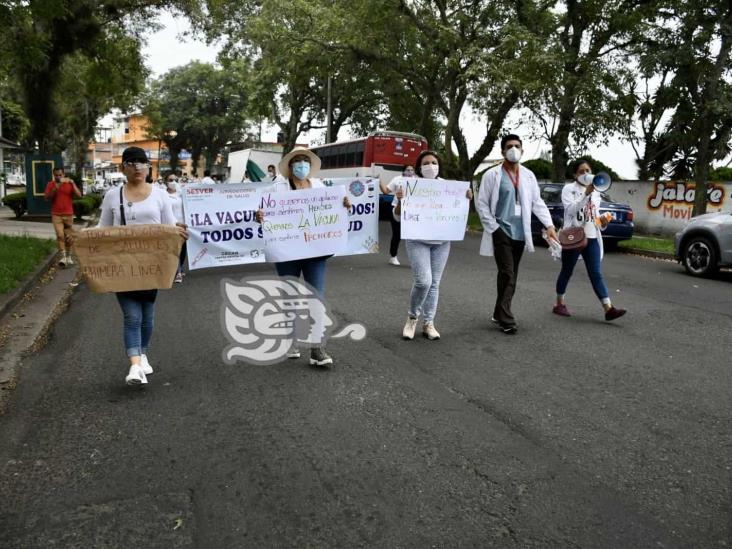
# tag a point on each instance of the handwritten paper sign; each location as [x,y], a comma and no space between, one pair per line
[434,209]
[305,223]
[363,223]
[221,223]
[131,257]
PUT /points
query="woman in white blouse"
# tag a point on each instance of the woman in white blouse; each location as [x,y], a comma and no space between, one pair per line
[137,203]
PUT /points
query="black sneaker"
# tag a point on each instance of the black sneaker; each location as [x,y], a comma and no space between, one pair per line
[509,330]
[318,357]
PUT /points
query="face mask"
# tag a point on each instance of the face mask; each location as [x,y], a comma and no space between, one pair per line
[300,169]
[585,179]
[513,155]
[430,171]
[58,179]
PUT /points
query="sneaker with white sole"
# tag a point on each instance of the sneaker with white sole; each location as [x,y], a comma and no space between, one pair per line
[409,328]
[394,261]
[146,368]
[178,278]
[294,352]
[62,260]
[69,260]
[428,331]
[136,376]
[318,357]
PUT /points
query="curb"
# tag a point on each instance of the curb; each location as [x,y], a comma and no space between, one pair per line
[14,296]
[646,253]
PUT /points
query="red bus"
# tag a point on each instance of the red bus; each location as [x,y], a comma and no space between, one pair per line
[381,154]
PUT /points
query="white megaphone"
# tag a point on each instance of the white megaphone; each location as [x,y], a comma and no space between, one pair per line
[601,182]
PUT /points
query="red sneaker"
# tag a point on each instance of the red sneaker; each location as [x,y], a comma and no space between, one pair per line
[561,310]
[612,313]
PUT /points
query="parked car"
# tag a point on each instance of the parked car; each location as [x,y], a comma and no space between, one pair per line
[620,228]
[705,244]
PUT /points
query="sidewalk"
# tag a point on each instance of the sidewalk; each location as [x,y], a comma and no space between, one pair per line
[35,226]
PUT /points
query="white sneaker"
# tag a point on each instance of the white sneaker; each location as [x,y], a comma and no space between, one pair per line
[146,368]
[69,260]
[394,261]
[428,331]
[178,278]
[136,376]
[294,352]
[409,328]
[62,261]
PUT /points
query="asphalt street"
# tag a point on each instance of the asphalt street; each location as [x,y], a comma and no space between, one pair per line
[573,433]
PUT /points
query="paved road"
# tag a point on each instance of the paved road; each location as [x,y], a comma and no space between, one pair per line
[573,433]
[36,226]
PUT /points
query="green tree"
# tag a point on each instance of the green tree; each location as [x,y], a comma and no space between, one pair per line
[596,165]
[542,168]
[39,37]
[198,107]
[583,100]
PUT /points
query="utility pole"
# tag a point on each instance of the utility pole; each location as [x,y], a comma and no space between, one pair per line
[329,117]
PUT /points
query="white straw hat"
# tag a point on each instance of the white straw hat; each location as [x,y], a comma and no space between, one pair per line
[284,164]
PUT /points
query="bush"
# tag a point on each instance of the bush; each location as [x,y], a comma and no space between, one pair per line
[542,168]
[16,202]
[720,174]
[84,206]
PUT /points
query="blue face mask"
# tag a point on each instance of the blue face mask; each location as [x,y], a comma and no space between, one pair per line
[300,169]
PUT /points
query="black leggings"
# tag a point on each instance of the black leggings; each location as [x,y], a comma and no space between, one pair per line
[396,236]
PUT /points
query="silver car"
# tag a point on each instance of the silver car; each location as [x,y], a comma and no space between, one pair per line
[705,244]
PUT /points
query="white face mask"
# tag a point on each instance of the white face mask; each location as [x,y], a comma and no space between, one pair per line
[430,171]
[585,179]
[513,155]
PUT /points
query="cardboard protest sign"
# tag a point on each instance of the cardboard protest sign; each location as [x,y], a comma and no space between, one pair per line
[363,223]
[130,257]
[305,223]
[222,225]
[434,209]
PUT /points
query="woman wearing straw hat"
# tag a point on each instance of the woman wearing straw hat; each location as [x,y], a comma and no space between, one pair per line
[298,166]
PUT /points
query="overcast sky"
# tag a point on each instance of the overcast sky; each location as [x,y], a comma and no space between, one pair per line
[167,49]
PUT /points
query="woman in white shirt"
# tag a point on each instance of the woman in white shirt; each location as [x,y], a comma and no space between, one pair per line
[137,203]
[427,259]
[581,209]
[176,202]
[298,166]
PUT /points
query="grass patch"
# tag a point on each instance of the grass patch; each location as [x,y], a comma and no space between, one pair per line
[19,255]
[474,222]
[649,244]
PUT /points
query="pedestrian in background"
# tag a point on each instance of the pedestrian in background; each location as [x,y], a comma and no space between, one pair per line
[176,202]
[508,195]
[581,209]
[298,166]
[207,179]
[396,226]
[427,259]
[137,203]
[61,191]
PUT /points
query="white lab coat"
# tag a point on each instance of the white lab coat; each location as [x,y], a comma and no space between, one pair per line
[486,201]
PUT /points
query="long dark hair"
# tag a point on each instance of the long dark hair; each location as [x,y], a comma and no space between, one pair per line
[418,162]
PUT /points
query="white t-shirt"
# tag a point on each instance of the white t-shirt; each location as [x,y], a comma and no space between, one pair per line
[208,181]
[176,201]
[155,209]
[284,185]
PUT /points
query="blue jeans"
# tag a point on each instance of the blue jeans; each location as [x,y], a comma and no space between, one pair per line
[138,309]
[428,262]
[182,258]
[312,270]
[591,255]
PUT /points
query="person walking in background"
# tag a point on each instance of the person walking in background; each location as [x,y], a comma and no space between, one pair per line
[427,259]
[137,203]
[581,209]
[177,205]
[508,195]
[207,179]
[396,226]
[61,191]
[298,166]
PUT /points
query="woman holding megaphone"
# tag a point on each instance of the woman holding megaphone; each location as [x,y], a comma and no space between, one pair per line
[581,202]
